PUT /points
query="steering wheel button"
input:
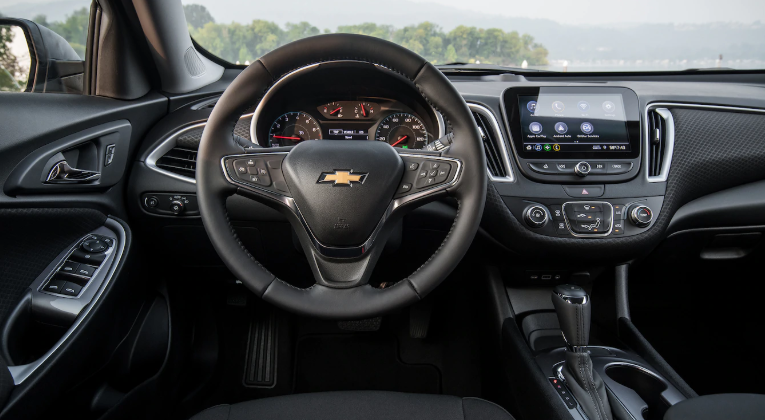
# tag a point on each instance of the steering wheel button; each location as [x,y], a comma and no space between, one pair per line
[412,166]
[250,162]
[443,173]
[275,164]
[434,165]
[404,188]
[423,174]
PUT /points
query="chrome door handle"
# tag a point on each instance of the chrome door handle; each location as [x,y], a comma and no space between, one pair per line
[62,173]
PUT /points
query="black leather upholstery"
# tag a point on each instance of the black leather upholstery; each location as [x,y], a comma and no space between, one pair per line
[719,407]
[319,300]
[587,386]
[359,405]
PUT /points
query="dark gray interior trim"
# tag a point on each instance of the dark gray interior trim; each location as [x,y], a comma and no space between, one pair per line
[111,228]
[739,206]
[622,291]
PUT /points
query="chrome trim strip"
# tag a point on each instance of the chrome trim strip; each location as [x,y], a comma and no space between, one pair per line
[486,112]
[168,144]
[585,235]
[669,145]
[667,114]
[635,366]
[22,372]
[343,252]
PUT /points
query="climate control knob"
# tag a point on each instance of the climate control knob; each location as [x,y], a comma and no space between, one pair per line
[177,207]
[641,216]
[582,169]
[535,216]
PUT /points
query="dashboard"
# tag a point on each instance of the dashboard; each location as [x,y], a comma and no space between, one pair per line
[580,170]
[345,101]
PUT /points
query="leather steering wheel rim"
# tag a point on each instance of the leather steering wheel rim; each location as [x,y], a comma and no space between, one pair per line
[363,301]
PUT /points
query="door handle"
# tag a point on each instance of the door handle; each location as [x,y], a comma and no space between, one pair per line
[62,173]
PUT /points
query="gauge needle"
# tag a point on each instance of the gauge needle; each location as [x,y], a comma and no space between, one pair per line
[335,111]
[288,138]
[400,140]
[363,111]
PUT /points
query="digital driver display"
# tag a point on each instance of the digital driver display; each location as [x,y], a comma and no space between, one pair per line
[560,123]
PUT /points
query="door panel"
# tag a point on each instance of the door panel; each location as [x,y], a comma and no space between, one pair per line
[41,225]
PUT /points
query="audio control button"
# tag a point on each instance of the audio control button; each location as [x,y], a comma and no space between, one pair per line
[582,169]
[543,167]
[615,168]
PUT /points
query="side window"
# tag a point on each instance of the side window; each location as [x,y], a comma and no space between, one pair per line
[41,53]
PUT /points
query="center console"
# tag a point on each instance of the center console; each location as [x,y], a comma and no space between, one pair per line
[586,140]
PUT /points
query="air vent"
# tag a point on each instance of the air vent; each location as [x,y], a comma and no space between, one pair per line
[490,146]
[660,135]
[180,161]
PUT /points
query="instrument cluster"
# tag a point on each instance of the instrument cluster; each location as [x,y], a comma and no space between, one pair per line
[377,119]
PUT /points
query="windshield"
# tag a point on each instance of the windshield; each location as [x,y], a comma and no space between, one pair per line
[553,35]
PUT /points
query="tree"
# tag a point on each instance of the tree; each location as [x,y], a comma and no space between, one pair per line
[74,28]
[197,15]
[11,72]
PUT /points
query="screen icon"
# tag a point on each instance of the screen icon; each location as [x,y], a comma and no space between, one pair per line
[538,147]
[547,147]
[556,147]
[558,106]
[587,128]
[609,106]
[528,147]
[561,127]
[531,106]
[535,127]
[583,106]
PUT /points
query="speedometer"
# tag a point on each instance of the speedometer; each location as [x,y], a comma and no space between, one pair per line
[292,128]
[402,130]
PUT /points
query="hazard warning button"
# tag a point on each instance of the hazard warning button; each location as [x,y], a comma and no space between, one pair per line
[584,191]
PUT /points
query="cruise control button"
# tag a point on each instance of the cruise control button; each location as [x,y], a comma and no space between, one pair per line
[543,167]
[584,191]
[71,289]
[443,172]
[54,286]
[615,168]
[598,168]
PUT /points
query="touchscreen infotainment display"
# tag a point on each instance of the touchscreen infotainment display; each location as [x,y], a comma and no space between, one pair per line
[573,123]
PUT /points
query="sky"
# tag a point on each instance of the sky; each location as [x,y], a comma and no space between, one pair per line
[579,12]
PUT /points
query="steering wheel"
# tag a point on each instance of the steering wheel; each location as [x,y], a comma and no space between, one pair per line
[341,197]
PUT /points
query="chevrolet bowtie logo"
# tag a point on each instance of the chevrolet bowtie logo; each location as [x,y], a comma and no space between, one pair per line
[342,178]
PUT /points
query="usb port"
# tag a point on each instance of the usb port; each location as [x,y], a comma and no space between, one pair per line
[546,276]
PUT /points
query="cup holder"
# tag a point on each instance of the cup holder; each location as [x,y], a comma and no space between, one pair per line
[647,385]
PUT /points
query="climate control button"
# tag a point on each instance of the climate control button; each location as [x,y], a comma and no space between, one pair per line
[535,216]
[641,216]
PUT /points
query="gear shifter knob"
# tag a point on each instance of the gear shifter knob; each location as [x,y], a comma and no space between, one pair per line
[572,304]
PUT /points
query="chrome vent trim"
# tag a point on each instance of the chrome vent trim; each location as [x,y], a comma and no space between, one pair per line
[659,125]
[498,139]
[169,144]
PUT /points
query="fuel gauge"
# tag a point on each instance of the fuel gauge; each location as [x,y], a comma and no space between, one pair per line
[333,110]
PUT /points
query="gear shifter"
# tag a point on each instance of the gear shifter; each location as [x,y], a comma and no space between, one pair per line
[572,305]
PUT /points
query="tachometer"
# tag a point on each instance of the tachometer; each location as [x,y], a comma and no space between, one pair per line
[402,130]
[292,128]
